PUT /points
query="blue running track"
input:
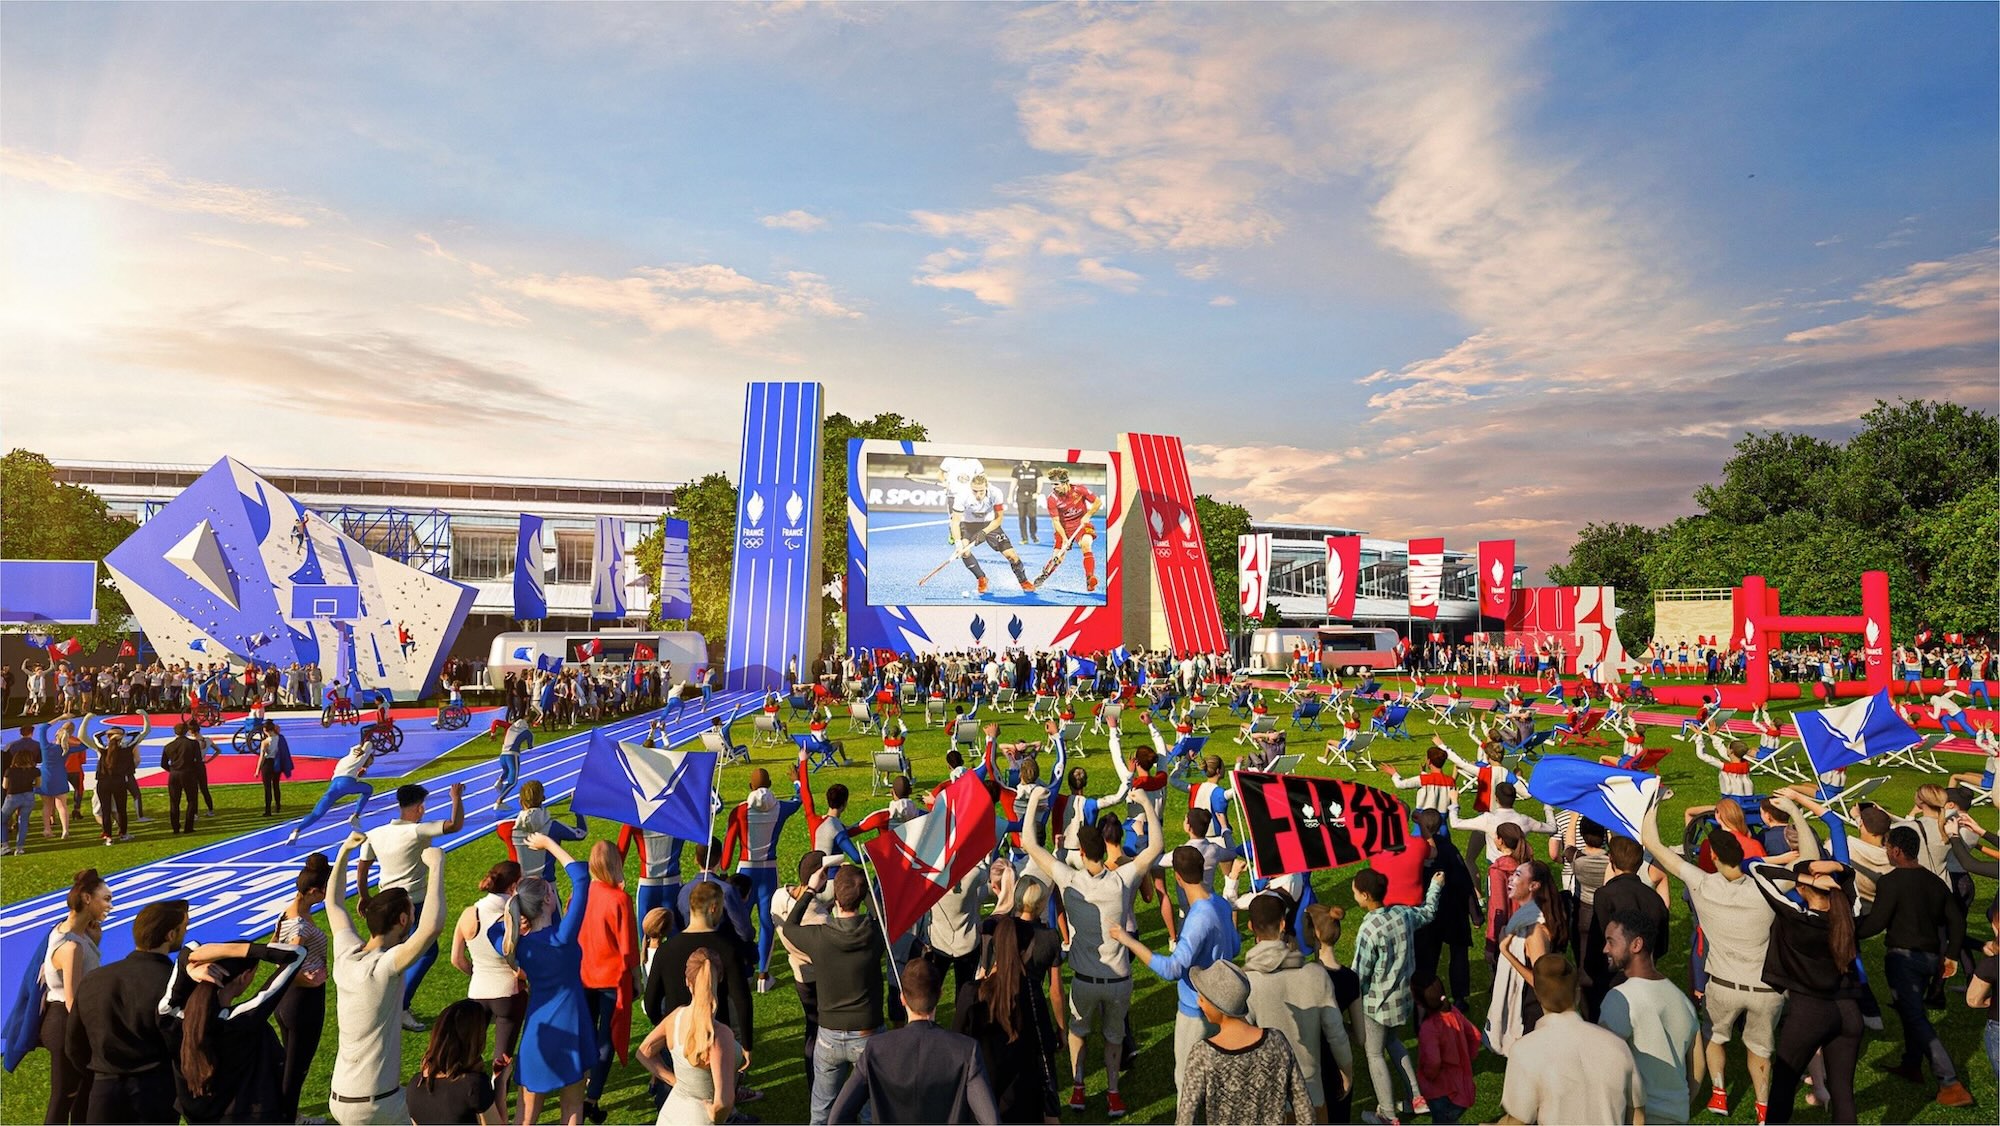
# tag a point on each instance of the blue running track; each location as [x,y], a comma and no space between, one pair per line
[236,888]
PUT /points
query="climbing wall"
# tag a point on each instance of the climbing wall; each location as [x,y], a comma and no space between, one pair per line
[210,578]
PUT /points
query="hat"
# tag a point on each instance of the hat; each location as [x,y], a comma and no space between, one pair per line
[411,794]
[1225,987]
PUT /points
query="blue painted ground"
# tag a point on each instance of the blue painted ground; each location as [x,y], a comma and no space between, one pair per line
[422,743]
[904,546]
[237,887]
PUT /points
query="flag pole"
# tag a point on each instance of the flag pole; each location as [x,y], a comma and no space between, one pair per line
[882,920]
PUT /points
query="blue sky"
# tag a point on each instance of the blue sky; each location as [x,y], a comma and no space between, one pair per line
[1422,269]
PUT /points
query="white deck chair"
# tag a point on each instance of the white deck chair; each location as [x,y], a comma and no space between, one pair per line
[1258,726]
[889,765]
[1197,717]
[1854,795]
[770,732]
[1107,717]
[1006,699]
[859,720]
[1354,756]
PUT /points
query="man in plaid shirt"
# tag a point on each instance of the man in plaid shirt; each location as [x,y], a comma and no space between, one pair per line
[1384,959]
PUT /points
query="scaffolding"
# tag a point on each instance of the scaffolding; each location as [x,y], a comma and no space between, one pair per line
[420,538]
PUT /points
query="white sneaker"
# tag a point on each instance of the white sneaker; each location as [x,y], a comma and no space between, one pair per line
[293,839]
[411,1023]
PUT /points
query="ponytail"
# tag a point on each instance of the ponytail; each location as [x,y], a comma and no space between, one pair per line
[1840,928]
[198,1019]
[695,1034]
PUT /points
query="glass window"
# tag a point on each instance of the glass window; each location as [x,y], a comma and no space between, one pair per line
[573,556]
[477,555]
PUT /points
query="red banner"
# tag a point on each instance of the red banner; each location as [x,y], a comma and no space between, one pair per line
[1496,577]
[1182,583]
[127,649]
[1343,575]
[1426,577]
[1302,822]
[917,860]
[1253,574]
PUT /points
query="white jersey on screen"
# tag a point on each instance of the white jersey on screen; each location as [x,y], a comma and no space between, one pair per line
[976,510]
[958,473]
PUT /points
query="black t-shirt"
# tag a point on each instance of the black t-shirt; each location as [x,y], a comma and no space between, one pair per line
[1027,479]
[449,1101]
[1988,971]
[24,766]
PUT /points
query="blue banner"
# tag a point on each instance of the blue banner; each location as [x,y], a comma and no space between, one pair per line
[670,792]
[1614,798]
[48,590]
[607,570]
[1837,738]
[531,599]
[774,593]
[676,579]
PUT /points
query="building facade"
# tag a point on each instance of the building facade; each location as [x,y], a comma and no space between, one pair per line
[454,526]
[1382,593]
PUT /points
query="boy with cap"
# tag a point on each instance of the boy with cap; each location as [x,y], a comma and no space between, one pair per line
[399,847]
[1242,1073]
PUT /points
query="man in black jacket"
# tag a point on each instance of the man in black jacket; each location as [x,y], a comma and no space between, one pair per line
[1623,892]
[846,952]
[1915,909]
[116,1029]
[920,1072]
[181,759]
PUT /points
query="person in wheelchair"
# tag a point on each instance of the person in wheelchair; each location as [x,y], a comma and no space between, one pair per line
[451,708]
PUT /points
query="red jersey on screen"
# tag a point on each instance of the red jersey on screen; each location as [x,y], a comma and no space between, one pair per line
[1070,509]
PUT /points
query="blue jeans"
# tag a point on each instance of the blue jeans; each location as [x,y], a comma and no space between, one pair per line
[1910,974]
[763,885]
[414,976]
[336,790]
[510,776]
[19,806]
[834,1057]
[1993,1045]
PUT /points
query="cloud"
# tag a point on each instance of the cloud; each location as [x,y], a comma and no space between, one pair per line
[380,377]
[1223,301]
[804,222]
[153,185]
[716,300]
[1108,276]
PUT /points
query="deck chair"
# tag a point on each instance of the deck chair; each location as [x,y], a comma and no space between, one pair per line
[1298,688]
[712,740]
[852,689]
[1649,760]
[1285,764]
[1043,708]
[1305,716]
[1006,699]
[1784,761]
[909,694]
[889,765]
[1352,753]
[1197,716]
[1185,754]
[1072,735]
[1458,713]
[1854,795]
[965,733]
[1258,726]
[860,719]
[800,704]
[769,731]
[1107,717]
[1392,721]
[934,714]
[820,750]
[1918,756]
[1239,704]
[1423,694]
[1584,732]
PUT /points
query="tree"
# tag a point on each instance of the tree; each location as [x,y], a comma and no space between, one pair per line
[1614,554]
[1814,562]
[1221,523]
[41,518]
[709,507]
[837,431]
[1960,546]
[1773,472]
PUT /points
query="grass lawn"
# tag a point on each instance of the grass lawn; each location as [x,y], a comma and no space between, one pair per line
[778,1060]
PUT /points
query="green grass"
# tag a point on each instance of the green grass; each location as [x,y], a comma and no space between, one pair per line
[779,1067]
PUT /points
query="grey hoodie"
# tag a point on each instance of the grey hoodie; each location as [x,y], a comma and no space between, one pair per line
[1296,998]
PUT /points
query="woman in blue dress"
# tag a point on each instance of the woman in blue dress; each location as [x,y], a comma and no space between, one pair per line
[54,787]
[558,1040]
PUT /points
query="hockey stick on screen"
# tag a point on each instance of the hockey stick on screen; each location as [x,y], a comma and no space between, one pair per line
[953,558]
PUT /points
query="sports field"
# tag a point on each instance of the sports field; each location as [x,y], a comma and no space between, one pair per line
[777,1064]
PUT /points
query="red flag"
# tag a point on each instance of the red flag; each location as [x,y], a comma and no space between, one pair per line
[1953,638]
[68,648]
[1343,573]
[643,652]
[916,860]
[126,648]
[1303,822]
[1426,577]
[1437,638]
[1496,577]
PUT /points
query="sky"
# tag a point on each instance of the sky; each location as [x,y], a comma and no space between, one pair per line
[1478,271]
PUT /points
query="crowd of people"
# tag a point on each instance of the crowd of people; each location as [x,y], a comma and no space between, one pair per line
[1011,999]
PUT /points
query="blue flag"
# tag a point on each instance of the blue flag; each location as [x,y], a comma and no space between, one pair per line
[1837,738]
[545,662]
[1614,798]
[531,602]
[1079,667]
[1120,655]
[664,791]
